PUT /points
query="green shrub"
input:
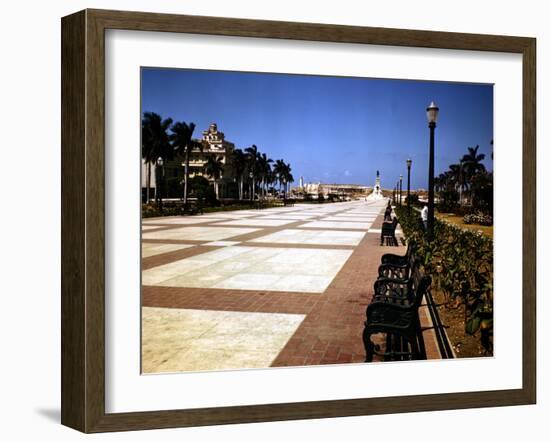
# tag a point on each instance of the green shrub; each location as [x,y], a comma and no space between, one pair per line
[152,211]
[201,189]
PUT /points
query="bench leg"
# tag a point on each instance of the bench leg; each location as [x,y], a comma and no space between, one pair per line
[369,346]
[389,346]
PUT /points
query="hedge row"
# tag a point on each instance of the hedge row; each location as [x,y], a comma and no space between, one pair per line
[461,265]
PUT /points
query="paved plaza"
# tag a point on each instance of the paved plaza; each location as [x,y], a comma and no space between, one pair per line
[284,286]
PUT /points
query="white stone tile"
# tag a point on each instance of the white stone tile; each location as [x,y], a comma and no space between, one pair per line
[338,225]
[256,222]
[287,217]
[163,273]
[150,227]
[352,218]
[363,213]
[152,249]
[222,243]
[176,340]
[321,237]
[252,268]
[256,254]
[181,220]
[291,256]
[206,233]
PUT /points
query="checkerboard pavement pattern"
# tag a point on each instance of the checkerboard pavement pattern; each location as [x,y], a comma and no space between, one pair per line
[254,289]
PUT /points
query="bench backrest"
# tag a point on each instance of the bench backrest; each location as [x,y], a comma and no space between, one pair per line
[421,289]
[394,223]
[415,278]
[388,228]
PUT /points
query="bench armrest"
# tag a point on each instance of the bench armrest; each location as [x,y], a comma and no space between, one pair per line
[393,271]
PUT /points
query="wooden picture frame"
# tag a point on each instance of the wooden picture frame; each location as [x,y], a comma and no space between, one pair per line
[83,220]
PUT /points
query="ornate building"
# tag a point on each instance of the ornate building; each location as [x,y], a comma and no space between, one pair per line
[214,144]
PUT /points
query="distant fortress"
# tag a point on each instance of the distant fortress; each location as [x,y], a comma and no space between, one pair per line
[314,190]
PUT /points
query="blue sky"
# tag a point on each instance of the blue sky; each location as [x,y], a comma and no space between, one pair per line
[330,129]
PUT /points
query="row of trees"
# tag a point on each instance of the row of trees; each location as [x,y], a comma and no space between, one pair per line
[259,171]
[171,140]
[467,183]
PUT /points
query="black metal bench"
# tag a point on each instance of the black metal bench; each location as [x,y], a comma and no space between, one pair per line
[398,266]
[388,233]
[394,312]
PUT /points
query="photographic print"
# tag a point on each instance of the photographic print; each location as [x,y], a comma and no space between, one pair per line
[297,220]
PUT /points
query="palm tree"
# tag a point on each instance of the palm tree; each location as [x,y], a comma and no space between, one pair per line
[271,178]
[289,178]
[264,164]
[184,144]
[457,177]
[214,168]
[252,162]
[283,171]
[155,142]
[440,182]
[279,170]
[472,163]
[239,162]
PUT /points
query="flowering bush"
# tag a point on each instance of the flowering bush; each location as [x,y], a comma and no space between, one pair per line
[478,218]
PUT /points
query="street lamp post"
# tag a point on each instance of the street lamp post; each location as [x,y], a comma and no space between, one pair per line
[409,162]
[251,175]
[397,193]
[158,178]
[400,190]
[432,112]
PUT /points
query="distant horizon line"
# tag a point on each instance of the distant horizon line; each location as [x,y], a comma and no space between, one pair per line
[354,184]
